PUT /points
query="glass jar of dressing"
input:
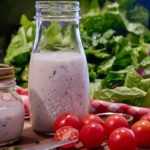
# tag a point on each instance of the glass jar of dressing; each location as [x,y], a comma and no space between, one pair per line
[58,73]
[11,107]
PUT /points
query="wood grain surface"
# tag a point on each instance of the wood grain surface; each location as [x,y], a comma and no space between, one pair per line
[30,139]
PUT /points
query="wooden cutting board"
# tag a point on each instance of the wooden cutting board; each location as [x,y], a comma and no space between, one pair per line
[30,139]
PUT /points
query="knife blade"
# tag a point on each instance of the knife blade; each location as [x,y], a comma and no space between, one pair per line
[51,146]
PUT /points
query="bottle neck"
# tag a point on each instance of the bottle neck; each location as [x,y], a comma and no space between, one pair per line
[57,26]
[57,11]
[6,84]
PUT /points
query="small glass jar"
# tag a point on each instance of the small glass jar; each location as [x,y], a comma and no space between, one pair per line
[58,72]
[11,107]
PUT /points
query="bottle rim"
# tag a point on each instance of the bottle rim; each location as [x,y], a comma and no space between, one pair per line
[46,4]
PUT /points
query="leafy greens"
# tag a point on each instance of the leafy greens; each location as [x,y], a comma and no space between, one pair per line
[117,50]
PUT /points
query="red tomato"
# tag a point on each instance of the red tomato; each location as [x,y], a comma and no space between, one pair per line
[22,91]
[142,133]
[67,133]
[113,122]
[146,117]
[91,118]
[92,135]
[25,100]
[122,139]
[67,119]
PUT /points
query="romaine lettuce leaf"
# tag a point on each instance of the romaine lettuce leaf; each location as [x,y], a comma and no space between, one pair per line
[119,94]
[134,91]
[113,79]
[105,66]
[94,88]
[123,59]
[145,85]
[133,79]
[145,62]
[19,49]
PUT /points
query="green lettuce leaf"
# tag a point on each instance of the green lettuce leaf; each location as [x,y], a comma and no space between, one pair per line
[145,85]
[105,66]
[109,18]
[136,28]
[145,62]
[19,49]
[94,88]
[123,59]
[113,79]
[120,94]
[138,14]
[133,79]
[96,56]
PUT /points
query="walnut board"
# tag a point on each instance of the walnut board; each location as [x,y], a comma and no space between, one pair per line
[30,139]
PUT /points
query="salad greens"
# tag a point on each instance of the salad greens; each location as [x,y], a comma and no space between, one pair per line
[116,42]
[134,90]
[19,49]
[117,51]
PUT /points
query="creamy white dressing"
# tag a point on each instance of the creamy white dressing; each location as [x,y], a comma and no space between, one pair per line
[11,120]
[58,83]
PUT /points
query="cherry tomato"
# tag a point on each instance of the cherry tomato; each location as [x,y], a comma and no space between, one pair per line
[122,139]
[142,133]
[91,118]
[113,122]
[22,91]
[67,119]
[92,135]
[146,117]
[67,133]
[25,100]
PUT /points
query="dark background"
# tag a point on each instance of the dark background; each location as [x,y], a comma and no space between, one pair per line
[11,10]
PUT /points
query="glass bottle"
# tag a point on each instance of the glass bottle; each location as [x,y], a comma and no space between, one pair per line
[58,73]
[11,107]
